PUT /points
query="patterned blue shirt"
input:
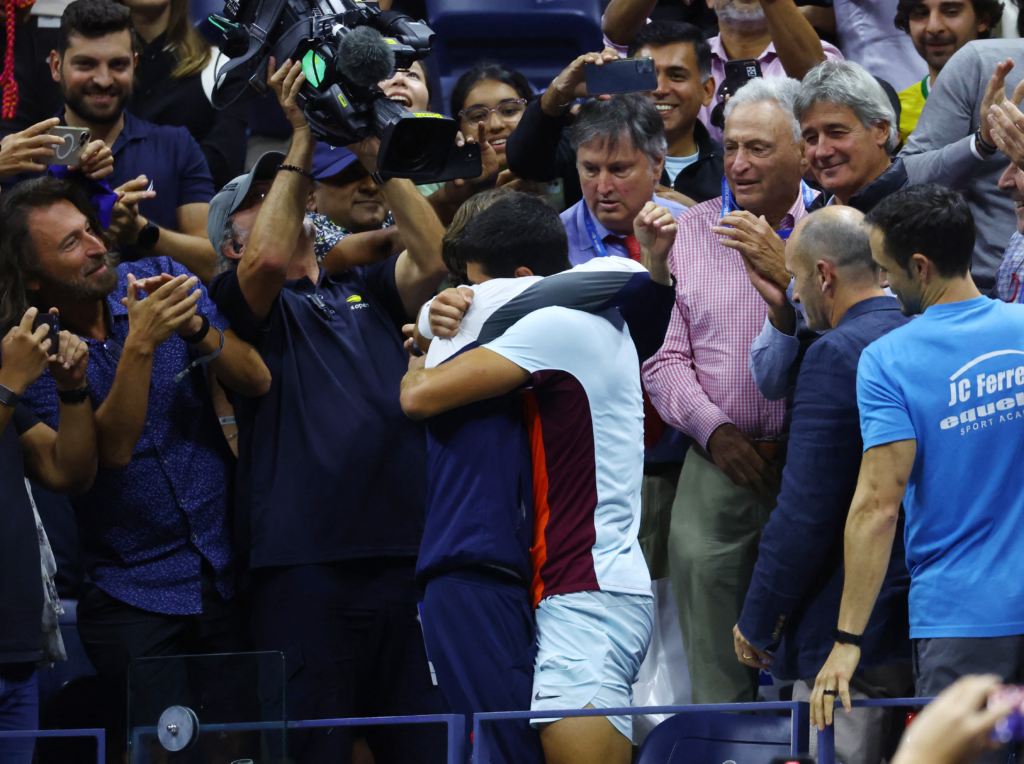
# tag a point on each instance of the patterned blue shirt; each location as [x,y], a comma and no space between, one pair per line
[1011,271]
[145,529]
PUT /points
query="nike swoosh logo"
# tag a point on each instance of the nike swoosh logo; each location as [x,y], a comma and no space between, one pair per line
[538,696]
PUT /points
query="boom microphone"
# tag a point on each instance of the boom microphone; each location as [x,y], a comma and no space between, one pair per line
[364,58]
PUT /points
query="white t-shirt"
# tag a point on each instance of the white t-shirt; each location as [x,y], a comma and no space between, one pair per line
[585,418]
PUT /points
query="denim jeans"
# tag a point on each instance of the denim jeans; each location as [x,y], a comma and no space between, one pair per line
[19,710]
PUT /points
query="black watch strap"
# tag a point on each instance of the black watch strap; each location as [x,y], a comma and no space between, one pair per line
[71,397]
[846,638]
[987,148]
[8,397]
[148,236]
[195,339]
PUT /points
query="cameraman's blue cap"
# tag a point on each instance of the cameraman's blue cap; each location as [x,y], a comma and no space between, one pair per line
[329,160]
[225,202]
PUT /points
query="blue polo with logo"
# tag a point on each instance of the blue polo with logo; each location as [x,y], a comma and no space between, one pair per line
[329,467]
[953,380]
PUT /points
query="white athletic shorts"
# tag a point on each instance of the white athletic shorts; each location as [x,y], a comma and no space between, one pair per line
[589,649]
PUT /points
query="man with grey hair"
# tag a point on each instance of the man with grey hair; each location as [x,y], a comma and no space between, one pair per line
[792,605]
[849,130]
[700,384]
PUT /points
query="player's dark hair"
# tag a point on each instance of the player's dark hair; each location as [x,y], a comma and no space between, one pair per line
[517,230]
[929,220]
[658,34]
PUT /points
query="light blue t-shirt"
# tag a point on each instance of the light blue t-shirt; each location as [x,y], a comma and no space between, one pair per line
[675,165]
[953,379]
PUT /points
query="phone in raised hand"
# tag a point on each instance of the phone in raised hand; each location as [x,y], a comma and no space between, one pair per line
[70,152]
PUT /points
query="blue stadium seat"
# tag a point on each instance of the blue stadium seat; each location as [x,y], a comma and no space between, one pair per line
[537,37]
[714,737]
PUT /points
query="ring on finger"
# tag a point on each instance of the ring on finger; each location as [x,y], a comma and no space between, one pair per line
[746,657]
[830,692]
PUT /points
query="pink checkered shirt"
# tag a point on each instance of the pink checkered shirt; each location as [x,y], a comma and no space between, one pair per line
[700,379]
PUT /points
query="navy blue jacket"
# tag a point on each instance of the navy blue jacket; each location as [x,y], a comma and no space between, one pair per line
[792,606]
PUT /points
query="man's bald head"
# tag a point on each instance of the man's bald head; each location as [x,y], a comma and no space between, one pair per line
[829,257]
[837,235]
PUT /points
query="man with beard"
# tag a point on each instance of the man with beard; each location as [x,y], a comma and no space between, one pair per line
[153,527]
[160,171]
[939,28]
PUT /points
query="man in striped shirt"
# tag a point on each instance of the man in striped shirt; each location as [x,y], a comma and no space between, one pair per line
[700,382]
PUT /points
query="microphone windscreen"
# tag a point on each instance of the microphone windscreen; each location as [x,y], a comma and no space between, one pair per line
[364,58]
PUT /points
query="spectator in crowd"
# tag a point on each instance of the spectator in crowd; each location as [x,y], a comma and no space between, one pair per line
[153,527]
[939,28]
[682,60]
[620,147]
[477,574]
[327,584]
[492,95]
[793,601]
[584,374]
[345,195]
[772,31]
[937,400]
[160,171]
[866,35]
[953,144]
[623,19]
[174,82]
[849,131]
[63,460]
[700,384]
[541,148]
[1008,132]
[409,87]
[776,33]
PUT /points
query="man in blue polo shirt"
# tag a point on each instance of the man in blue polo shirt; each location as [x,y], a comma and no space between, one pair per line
[160,171]
[941,403]
[332,476]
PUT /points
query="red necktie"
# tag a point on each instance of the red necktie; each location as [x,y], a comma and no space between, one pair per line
[630,243]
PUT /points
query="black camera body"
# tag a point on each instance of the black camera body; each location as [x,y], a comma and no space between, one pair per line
[346,47]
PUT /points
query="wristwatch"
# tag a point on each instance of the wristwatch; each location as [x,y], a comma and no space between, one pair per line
[72,397]
[846,638]
[8,397]
[148,236]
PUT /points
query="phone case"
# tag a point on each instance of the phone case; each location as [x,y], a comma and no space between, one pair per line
[70,152]
[627,75]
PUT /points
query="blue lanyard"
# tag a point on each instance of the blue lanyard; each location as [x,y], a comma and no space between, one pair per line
[729,204]
[594,238]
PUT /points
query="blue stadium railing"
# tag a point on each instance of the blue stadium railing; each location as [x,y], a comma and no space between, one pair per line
[100,735]
[799,725]
[827,739]
[483,723]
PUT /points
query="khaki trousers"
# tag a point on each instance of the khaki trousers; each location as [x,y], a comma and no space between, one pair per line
[716,527]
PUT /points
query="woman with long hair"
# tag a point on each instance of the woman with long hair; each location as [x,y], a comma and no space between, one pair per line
[174,85]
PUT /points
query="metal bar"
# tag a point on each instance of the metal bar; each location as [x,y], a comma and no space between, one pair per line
[827,737]
[456,728]
[798,709]
[801,729]
[780,705]
[100,735]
